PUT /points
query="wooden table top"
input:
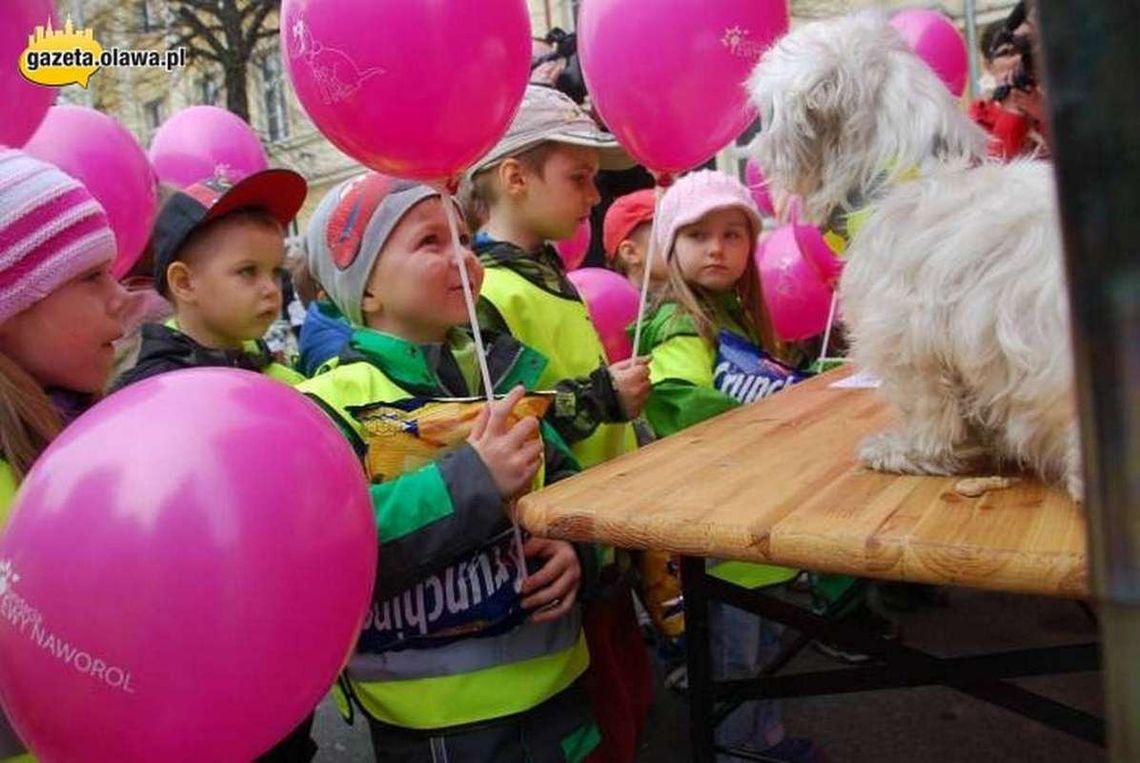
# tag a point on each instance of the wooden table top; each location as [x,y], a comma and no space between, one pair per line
[778,481]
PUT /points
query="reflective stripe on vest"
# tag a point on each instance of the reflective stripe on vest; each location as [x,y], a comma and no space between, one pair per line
[526,642]
[561,330]
[444,701]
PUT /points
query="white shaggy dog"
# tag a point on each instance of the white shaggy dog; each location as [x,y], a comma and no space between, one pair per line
[954,291]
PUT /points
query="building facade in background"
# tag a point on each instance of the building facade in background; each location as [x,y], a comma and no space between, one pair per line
[142,99]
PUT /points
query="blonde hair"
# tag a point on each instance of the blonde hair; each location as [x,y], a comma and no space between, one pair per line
[28,419]
[692,301]
[479,194]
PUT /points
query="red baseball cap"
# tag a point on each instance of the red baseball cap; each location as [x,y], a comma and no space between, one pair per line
[624,215]
[278,192]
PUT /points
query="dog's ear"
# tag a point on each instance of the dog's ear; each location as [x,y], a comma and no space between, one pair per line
[803,89]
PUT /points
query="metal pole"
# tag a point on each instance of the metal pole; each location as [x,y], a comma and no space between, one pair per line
[1089,48]
[971,13]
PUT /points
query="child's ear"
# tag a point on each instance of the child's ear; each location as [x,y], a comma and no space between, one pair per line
[512,177]
[627,253]
[369,303]
[180,282]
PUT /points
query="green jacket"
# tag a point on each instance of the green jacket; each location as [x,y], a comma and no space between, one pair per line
[681,372]
[681,367]
[446,642]
[451,506]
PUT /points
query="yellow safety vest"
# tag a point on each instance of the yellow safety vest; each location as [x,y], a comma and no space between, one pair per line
[560,329]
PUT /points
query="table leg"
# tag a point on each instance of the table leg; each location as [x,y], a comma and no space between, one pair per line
[701,725]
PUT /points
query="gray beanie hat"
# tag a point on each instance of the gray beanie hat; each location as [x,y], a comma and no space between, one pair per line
[348,230]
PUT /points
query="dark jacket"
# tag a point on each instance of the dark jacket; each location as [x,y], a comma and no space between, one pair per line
[165,349]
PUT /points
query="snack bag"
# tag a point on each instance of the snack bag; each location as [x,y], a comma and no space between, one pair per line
[747,373]
[407,434]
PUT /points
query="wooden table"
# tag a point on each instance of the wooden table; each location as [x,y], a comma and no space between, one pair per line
[779,482]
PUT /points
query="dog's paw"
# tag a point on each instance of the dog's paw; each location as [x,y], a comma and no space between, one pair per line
[893,452]
[887,452]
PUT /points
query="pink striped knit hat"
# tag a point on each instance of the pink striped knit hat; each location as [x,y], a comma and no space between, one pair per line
[51,230]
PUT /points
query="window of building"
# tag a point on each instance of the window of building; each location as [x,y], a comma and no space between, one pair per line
[273,89]
[208,90]
[154,111]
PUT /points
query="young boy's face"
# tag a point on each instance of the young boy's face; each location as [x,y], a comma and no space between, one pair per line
[234,280]
[713,252]
[634,253]
[415,290]
[558,199]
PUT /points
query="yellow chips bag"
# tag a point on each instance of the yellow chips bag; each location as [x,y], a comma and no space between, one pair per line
[405,435]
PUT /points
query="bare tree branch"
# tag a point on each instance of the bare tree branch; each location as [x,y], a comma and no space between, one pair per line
[226,33]
[199,30]
[257,21]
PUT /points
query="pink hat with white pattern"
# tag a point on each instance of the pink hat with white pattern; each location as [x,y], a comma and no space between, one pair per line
[51,231]
[694,196]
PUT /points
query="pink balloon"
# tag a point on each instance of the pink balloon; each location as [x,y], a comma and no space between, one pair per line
[758,185]
[798,272]
[25,103]
[936,40]
[100,153]
[612,303]
[574,249]
[668,78]
[411,89]
[185,571]
[202,142]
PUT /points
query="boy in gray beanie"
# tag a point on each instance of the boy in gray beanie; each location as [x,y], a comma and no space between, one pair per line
[473,649]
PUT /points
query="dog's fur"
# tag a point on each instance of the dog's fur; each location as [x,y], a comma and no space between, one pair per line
[954,291]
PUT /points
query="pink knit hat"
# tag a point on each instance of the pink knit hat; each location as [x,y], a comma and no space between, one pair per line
[694,196]
[51,230]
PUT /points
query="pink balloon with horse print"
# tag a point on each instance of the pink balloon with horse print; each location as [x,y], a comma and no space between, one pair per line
[410,89]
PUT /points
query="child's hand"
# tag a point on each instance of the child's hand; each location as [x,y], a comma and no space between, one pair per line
[553,590]
[631,380]
[511,453]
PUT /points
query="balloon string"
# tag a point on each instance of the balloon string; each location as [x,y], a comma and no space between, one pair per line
[652,253]
[830,323]
[469,298]
[484,369]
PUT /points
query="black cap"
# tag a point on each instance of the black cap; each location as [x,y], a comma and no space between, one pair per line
[278,192]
